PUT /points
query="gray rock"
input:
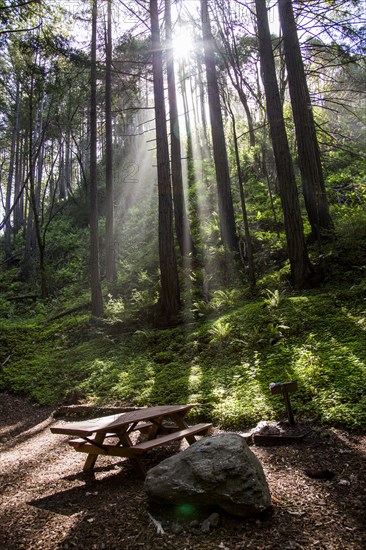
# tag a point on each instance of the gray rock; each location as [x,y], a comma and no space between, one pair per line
[265,428]
[205,526]
[194,524]
[177,529]
[210,523]
[214,519]
[216,471]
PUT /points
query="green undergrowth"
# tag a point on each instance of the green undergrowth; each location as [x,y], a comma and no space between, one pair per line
[226,363]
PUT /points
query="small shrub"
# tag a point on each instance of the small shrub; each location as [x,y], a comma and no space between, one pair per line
[274,299]
[220,332]
[115,308]
[163,357]
[201,309]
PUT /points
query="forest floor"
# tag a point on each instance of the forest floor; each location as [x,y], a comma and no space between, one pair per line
[47,502]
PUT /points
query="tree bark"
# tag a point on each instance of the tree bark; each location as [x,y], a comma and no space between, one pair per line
[62,181]
[299,261]
[182,228]
[169,292]
[202,102]
[68,163]
[111,272]
[96,291]
[315,197]
[248,239]
[231,59]
[9,189]
[191,171]
[19,161]
[35,215]
[225,202]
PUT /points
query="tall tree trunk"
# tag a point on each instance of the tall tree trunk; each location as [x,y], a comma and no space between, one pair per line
[169,294]
[96,291]
[68,167]
[29,248]
[9,190]
[111,272]
[231,59]
[35,215]
[263,164]
[248,239]
[191,173]
[29,241]
[307,143]
[225,202]
[62,182]
[35,198]
[202,102]
[299,261]
[182,228]
[19,161]
[23,177]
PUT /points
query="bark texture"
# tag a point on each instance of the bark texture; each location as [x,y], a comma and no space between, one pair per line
[225,202]
[182,228]
[299,261]
[96,291]
[315,197]
[111,273]
[169,292]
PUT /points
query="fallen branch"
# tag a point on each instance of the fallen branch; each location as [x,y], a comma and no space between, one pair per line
[70,311]
[22,297]
[158,525]
[4,362]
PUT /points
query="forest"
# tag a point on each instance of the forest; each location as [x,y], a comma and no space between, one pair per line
[183,205]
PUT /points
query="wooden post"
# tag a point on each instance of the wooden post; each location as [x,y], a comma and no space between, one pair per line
[285,388]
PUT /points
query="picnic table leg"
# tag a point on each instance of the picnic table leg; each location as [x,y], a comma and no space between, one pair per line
[91,459]
[137,462]
[155,427]
[182,424]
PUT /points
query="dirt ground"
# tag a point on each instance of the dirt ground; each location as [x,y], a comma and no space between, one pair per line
[318,490]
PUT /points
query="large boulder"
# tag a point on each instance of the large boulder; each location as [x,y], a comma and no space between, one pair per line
[215,471]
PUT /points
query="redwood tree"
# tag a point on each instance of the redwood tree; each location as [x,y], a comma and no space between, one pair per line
[169,292]
[180,215]
[307,143]
[96,291]
[225,202]
[111,273]
[299,261]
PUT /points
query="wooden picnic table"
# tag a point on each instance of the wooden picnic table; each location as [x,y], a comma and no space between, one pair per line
[160,425]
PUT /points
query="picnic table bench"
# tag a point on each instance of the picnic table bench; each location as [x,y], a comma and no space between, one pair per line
[110,435]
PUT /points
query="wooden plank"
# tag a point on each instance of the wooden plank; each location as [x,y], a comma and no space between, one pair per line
[88,427]
[141,427]
[89,411]
[150,414]
[82,446]
[281,387]
[85,427]
[91,458]
[114,422]
[174,436]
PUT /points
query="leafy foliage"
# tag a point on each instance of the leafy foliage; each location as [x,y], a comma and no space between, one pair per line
[226,363]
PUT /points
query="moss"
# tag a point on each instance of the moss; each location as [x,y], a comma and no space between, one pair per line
[226,363]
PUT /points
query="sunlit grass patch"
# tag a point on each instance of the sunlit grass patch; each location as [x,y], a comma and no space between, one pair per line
[225,363]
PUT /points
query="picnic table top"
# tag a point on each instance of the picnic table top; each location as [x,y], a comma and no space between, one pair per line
[115,422]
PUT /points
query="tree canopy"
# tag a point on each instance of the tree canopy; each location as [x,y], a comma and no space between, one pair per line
[187,189]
